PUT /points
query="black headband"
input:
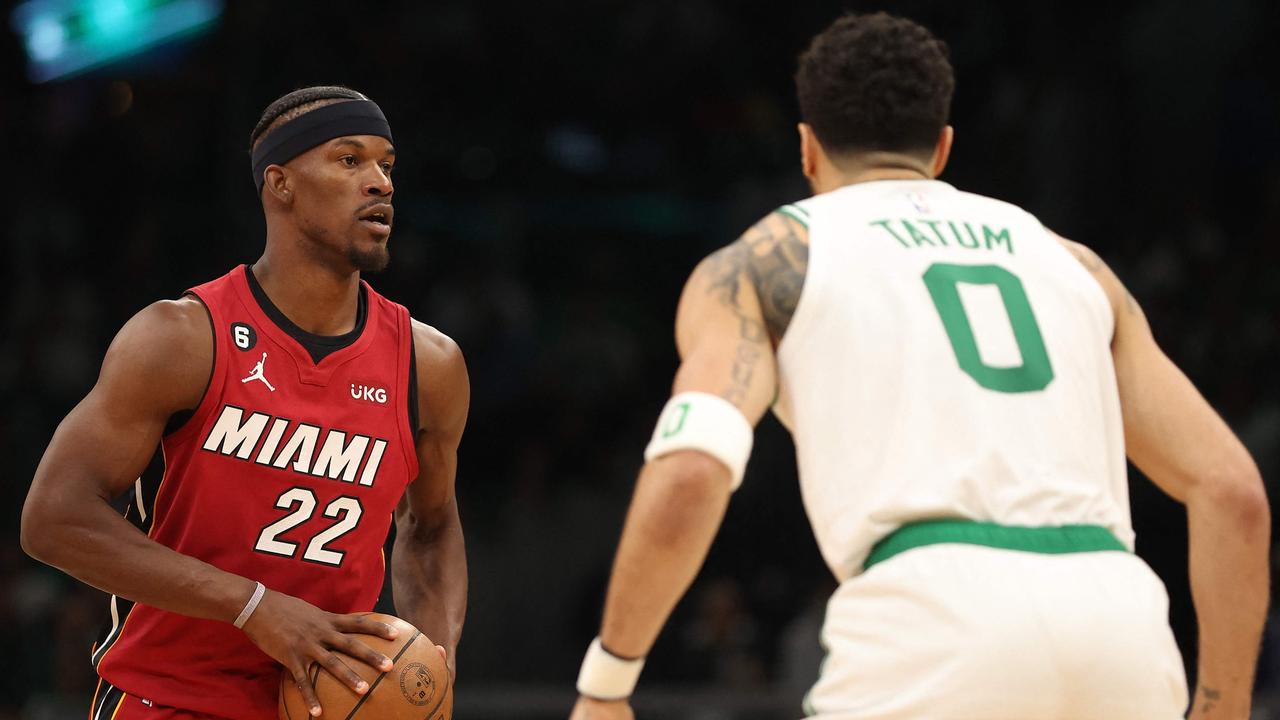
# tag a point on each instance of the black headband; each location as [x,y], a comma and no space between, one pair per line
[350,117]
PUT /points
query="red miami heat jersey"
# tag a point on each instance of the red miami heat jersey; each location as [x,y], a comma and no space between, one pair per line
[287,473]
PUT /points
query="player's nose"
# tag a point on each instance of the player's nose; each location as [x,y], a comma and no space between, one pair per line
[379,183]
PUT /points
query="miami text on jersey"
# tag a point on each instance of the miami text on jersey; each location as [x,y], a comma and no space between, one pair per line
[340,453]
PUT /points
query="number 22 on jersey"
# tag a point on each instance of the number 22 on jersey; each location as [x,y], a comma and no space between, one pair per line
[302,502]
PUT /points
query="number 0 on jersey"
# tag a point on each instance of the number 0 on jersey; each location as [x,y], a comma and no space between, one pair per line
[1035,372]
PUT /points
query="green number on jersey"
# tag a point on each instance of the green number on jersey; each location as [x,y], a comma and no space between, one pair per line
[1035,372]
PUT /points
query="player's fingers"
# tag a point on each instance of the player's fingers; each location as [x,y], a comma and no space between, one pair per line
[305,688]
[444,654]
[366,625]
[344,674]
[365,654]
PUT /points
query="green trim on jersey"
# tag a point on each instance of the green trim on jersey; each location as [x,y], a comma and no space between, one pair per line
[796,213]
[1055,540]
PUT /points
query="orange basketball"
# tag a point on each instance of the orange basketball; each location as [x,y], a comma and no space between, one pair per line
[416,688]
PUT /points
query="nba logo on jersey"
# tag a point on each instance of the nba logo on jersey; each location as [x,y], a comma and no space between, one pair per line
[918,202]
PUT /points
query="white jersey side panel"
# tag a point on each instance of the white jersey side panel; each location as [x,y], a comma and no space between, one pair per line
[947,358]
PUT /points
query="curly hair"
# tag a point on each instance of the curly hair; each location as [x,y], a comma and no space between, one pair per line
[299,102]
[875,83]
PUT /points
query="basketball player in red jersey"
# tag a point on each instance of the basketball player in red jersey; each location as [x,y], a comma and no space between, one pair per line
[297,411]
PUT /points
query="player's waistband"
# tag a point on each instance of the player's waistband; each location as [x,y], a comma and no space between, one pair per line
[1049,540]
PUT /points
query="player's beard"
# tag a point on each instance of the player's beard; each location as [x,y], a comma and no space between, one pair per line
[372,260]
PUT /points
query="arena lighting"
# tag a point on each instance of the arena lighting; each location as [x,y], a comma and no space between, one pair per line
[66,37]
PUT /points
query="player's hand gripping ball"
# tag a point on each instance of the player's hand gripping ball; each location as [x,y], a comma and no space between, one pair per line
[416,688]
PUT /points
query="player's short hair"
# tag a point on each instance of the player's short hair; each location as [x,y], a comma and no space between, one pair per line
[875,83]
[299,102]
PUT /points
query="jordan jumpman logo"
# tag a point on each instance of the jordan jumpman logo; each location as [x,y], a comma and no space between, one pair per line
[257,374]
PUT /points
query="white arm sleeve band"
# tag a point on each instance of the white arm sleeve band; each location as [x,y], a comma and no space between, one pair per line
[605,676]
[706,422]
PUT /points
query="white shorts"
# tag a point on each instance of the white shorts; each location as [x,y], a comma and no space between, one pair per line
[964,632]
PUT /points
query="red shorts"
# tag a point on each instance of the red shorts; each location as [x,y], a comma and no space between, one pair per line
[112,703]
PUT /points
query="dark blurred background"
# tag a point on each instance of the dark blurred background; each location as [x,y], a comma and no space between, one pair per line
[562,167]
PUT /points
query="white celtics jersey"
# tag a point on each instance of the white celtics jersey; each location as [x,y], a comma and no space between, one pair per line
[948,358]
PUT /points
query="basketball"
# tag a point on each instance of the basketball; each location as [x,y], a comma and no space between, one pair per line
[416,688]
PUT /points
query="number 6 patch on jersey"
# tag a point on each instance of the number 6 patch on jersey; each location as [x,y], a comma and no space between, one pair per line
[243,336]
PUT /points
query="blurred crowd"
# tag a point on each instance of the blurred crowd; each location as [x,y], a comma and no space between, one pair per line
[562,166]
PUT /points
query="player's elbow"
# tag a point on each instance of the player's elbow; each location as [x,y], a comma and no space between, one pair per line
[425,529]
[688,487]
[35,532]
[1237,492]
[694,475]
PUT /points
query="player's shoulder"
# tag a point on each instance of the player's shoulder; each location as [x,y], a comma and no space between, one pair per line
[444,389]
[166,324]
[785,228]
[1117,295]
[168,348]
[1082,253]
[433,348]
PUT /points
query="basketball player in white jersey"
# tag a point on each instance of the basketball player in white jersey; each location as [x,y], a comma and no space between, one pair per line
[962,386]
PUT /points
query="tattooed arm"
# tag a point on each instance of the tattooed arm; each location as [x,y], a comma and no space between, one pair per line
[734,308]
[1176,439]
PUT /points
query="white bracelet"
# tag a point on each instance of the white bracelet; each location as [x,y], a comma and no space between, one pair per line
[250,606]
[605,676]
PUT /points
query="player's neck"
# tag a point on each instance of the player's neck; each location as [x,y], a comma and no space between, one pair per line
[870,167]
[316,298]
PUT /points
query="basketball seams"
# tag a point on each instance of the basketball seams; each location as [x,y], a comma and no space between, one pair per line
[284,704]
[431,714]
[439,710]
[374,685]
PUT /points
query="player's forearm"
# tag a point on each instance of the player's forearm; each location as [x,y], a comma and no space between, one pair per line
[429,577]
[94,544]
[679,503]
[1230,529]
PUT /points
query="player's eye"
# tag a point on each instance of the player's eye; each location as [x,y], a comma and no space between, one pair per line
[348,160]
[387,168]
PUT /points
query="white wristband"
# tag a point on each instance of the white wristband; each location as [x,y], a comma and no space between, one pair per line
[706,422]
[250,606]
[605,676]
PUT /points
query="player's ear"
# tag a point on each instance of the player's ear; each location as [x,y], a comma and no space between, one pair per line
[809,150]
[276,182]
[942,151]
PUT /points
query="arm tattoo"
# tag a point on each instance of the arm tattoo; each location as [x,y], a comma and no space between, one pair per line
[1088,258]
[1091,262]
[725,268]
[773,258]
[1211,698]
[778,263]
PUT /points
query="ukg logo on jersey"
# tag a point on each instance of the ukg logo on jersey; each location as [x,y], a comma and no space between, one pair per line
[369,393]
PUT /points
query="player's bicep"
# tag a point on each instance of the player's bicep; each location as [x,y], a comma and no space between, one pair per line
[722,337]
[157,365]
[1171,432]
[444,400]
